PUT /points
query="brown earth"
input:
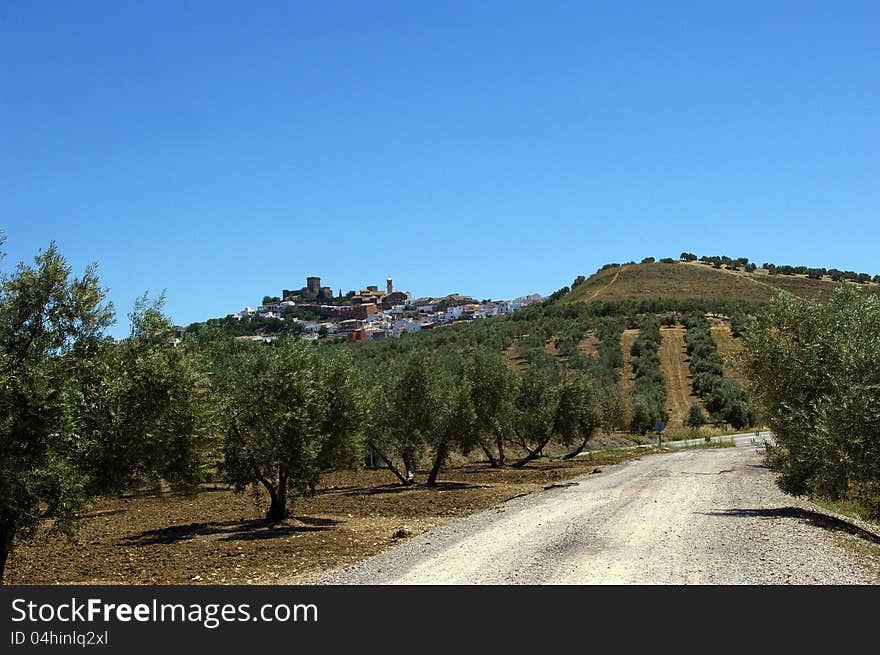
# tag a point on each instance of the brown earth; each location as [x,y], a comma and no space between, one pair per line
[551,348]
[672,281]
[728,349]
[513,355]
[682,281]
[220,537]
[589,345]
[674,366]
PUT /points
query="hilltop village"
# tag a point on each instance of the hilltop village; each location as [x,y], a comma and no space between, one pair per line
[370,313]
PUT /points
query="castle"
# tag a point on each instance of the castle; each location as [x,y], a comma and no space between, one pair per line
[312,291]
[370,295]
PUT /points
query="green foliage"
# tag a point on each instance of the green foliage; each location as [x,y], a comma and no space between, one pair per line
[289,411]
[51,328]
[723,398]
[415,401]
[148,413]
[230,326]
[556,406]
[739,323]
[667,305]
[648,392]
[609,330]
[492,385]
[817,273]
[424,404]
[82,414]
[535,407]
[696,417]
[816,371]
[556,295]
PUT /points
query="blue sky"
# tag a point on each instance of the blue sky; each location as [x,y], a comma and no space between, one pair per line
[222,151]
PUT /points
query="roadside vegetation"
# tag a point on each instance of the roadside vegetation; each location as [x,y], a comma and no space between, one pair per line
[815,368]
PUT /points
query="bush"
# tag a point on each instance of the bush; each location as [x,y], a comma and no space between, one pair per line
[696,417]
[816,372]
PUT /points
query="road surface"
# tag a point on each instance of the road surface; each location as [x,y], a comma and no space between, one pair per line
[709,516]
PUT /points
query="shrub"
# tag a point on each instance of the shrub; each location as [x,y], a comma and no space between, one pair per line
[816,372]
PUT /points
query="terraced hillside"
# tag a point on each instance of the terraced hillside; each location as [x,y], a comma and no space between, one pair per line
[669,290]
[694,280]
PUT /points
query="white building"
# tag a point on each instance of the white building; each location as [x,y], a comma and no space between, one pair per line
[452,314]
[406,325]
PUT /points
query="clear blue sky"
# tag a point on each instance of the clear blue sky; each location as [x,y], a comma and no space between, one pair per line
[226,150]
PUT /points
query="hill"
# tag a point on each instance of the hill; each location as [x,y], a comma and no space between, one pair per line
[696,281]
[672,287]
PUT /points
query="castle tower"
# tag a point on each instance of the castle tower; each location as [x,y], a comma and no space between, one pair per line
[313,284]
[389,285]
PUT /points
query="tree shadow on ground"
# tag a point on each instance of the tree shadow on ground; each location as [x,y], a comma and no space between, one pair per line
[397,488]
[315,520]
[98,514]
[333,490]
[233,530]
[824,521]
[156,492]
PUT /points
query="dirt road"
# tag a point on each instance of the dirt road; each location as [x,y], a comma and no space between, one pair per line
[696,516]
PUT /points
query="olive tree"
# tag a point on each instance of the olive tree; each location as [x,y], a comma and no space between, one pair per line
[289,412]
[422,406]
[696,417]
[413,408]
[51,327]
[815,370]
[455,426]
[492,384]
[537,418]
[143,408]
[598,405]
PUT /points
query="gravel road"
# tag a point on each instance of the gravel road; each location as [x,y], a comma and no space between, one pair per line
[689,517]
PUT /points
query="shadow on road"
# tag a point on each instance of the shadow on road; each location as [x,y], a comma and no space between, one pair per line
[818,519]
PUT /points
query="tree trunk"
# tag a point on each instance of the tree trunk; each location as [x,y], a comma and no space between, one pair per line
[492,461]
[4,555]
[388,464]
[577,451]
[499,442]
[532,455]
[439,458]
[278,499]
[409,470]
[7,533]
[280,512]
[52,508]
